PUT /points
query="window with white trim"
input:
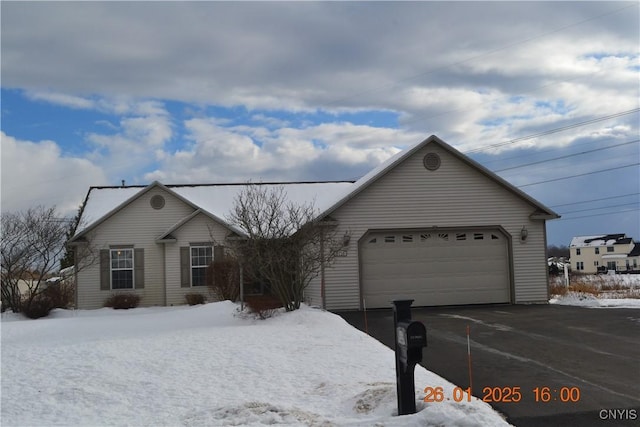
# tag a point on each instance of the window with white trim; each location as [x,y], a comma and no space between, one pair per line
[597,251]
[578,251]
[201,257]
[610,249]
[121,268]
[579,265]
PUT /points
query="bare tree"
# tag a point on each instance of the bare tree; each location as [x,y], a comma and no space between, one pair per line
[33,243]
[283,244]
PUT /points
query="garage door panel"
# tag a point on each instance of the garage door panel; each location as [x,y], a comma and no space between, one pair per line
[449,267]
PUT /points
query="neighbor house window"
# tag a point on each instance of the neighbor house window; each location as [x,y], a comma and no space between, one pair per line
[609,248]
[121,268]
[611,265]
[578,251]
[597,251]
[579,265]
[201,257]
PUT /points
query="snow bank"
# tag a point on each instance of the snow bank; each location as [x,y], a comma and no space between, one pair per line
[208,365]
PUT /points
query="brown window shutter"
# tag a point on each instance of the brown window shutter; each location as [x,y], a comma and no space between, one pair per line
[105,275]
[218,253]
[138,259]
[185,267]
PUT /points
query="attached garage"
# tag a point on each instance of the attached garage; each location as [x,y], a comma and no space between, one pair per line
[435,267]
[433,225]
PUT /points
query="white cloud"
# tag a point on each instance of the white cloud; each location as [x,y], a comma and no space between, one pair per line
[138,144]
[62,99]
[333,151]
[36,173]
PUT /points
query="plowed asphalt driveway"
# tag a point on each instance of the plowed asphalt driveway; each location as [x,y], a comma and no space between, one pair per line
[596,351]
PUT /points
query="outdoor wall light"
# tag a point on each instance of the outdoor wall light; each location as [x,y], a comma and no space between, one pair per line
[346,239]
[524,233]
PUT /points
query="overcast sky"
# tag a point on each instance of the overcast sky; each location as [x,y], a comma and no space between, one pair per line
[199,92]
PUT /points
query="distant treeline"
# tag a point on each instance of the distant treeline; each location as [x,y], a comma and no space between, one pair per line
[557,251]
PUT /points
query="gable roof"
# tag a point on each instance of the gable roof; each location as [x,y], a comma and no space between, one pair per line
[542,212]
[216,200]
[213,200]
[599,240]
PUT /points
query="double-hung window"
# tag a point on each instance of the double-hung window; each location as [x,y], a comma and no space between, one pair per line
[121,268]
[201,257]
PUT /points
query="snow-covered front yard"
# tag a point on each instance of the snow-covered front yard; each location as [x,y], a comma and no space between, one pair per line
[208,366]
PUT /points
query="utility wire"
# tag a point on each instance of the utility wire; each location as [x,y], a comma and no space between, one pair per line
[595,200]
[503,159]
[603,207]
[582,174]
[568,155]
[600,214]
[556,130]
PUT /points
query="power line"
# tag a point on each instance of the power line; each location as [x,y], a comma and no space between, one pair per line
[595,200]
[600,214]
[556,130]
[603,207]
[582,174]
[568,155]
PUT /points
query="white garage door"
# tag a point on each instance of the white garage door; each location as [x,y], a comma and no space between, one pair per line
[446,267]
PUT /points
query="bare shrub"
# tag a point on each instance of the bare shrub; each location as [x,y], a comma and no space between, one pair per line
[194,298]
[584,287]
[223,278]
[35,308]
[123,301]
[263,305]
[61,294]
[557,289]
[284,244]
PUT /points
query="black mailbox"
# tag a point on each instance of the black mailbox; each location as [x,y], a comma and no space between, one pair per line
[412,338]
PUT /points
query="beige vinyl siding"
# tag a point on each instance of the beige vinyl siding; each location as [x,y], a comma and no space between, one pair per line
[139,225]
[454,196]
[199,229]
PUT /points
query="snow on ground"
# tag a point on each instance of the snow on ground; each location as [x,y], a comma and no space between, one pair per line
[624,284]
[209,366]
[588,300]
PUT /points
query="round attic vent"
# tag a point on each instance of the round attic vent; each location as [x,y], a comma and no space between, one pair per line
[431,161]
[157,202]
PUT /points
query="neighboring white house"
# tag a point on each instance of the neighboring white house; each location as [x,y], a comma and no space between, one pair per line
[604,252]
[430,224]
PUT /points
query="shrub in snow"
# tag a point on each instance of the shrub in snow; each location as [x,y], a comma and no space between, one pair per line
[194,298]
[37,307]
[61,294]
[223,278]
[263,305]
[123,300]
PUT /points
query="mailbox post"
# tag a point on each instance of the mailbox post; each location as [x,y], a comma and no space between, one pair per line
[411,337]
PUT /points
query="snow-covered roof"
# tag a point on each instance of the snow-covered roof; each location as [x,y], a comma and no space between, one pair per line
[216,199]
[599,240]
